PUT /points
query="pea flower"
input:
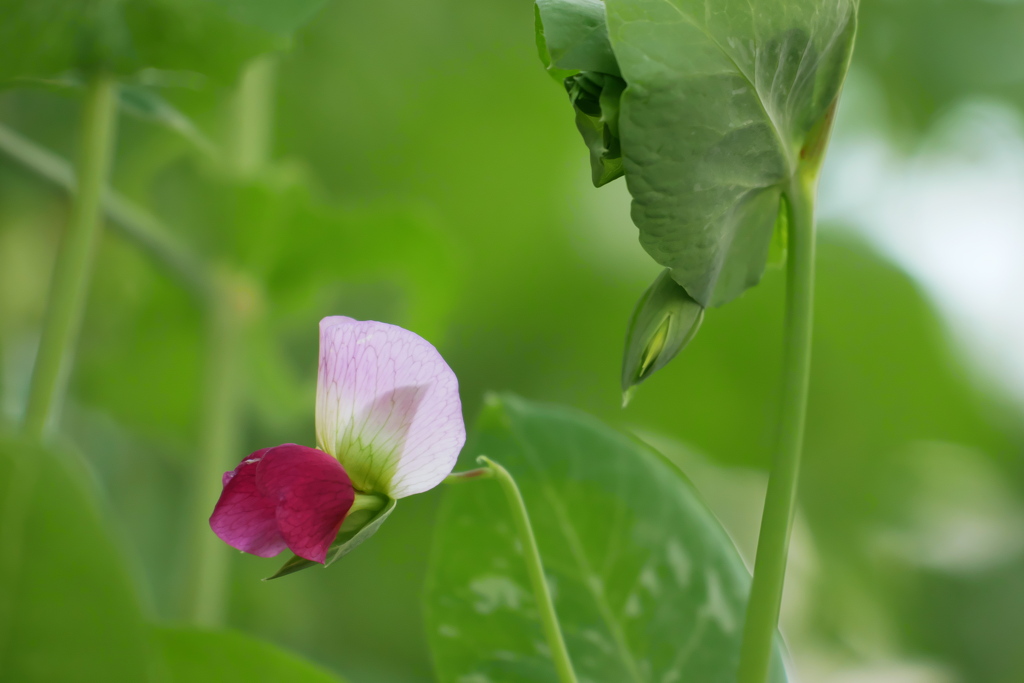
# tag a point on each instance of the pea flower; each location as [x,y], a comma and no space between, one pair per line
[388,425]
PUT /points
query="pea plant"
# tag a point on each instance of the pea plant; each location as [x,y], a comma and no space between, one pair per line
[564,550]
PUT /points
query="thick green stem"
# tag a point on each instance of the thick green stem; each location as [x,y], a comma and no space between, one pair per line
[535,569]
[780,502]
[227,318]
[73,267]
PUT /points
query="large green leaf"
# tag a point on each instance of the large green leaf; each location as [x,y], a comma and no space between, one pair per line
[647,584]
[213,37]
[720,102]
[725,102]
[197,656]
[68,611]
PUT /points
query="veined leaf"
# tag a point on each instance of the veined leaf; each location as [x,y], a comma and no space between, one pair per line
[725,103]
[721,99]
[647,585]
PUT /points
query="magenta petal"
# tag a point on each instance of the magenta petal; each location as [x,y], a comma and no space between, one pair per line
[244,518]
[312,494]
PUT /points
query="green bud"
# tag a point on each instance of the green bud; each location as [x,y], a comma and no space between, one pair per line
[664,321]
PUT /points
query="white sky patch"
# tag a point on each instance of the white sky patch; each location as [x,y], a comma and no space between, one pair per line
[952,215]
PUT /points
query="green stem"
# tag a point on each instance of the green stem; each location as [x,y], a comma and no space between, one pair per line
[535,568]
[227,319]
[469,475]
[131,220]
[780,501]
[230,314]
[73,266]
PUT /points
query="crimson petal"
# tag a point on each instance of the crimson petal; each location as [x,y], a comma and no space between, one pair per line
[312,494]
[244,518]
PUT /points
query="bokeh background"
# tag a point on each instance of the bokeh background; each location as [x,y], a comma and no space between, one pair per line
[423,170]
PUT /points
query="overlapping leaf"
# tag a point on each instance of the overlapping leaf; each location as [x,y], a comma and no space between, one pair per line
[724,104]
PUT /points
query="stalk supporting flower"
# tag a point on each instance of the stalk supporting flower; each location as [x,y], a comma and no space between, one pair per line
[389,424]
[776,523]
[535,569]
[73,267]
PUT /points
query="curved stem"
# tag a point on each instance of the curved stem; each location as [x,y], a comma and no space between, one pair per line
[780,502]
[73,267]
[469,475]
[535,568]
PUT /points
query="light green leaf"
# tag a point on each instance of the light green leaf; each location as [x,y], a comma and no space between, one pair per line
[355,530]
[198,656]
[726,102]
[647,585]
[68,611]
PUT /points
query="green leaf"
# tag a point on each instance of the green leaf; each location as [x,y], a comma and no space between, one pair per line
[43,38]
[572,36]
[595,97]
[68,611]
[198,656]
[355,530]
[723,104]
[647,585]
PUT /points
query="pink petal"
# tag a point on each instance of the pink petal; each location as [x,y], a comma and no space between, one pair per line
[387,406]
[312,494]
[243,517]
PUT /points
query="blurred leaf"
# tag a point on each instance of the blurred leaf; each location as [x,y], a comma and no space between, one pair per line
[355,530]
[721,105]
[276,16]
[928,54]
[197,656]
[47,37]
[68,611]
[647,584]
[146,103]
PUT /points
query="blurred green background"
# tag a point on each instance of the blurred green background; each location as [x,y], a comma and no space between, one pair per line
[425,171]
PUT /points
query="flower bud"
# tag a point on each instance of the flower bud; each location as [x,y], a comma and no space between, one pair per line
[664,321]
